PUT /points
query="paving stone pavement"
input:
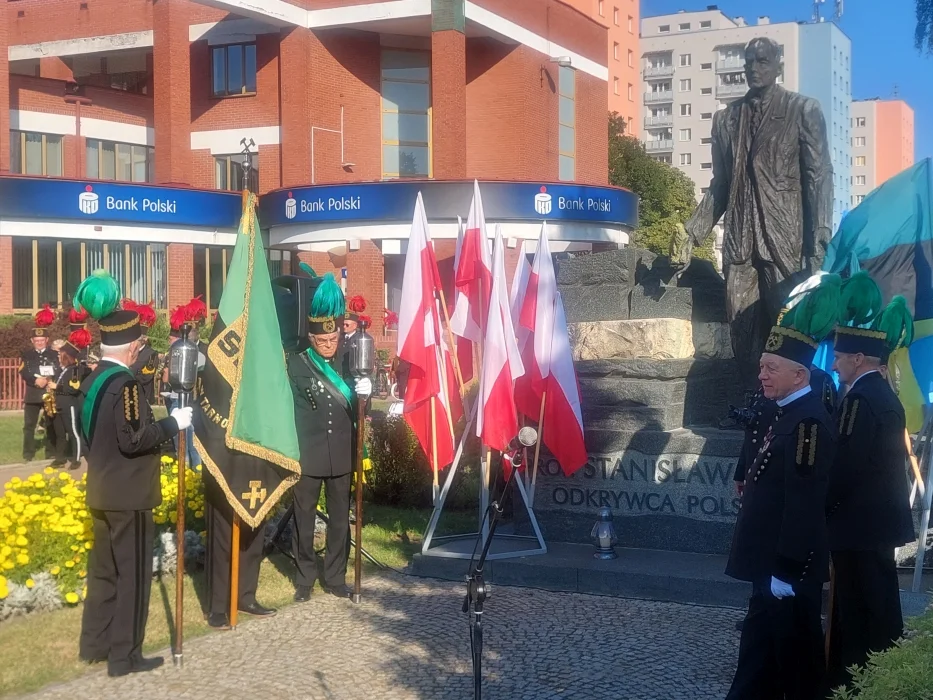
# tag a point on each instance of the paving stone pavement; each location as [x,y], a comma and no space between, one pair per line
[408,640]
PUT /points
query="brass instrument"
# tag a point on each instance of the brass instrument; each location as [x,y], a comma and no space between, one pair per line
[48,403]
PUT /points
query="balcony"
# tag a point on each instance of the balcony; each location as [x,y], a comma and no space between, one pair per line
[656,97]
[730,65]
[659,146]
[659,121]
[658,71]
[737,90]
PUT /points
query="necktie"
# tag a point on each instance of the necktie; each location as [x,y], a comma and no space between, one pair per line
[756,116]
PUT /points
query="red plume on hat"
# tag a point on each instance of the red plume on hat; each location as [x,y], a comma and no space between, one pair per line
[196,310]
[45,317]
[129,305]
[147,314]
[391,319]
[77,318]
[366,320]
[356,304]
[80,338]
[178,317]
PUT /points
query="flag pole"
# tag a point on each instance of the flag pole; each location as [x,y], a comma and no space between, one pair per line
[358,556]
[178,656]
[234,570]
[450,339]
[434,448]
[534,469]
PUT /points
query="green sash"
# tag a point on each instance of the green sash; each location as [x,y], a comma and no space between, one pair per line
[325,368]
[92,400]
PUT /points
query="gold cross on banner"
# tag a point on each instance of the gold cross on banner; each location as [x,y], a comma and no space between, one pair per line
[254,494]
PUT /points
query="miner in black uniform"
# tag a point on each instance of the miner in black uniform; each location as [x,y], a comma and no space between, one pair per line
[868,503]
[147,364]
[123,486]
[325,415]
[38,366]
[780,539]
[67,387]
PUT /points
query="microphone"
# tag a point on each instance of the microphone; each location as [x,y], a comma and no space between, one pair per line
[527,437]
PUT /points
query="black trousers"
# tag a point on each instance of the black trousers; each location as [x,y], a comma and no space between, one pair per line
[66,449]
[306,494]
[781,653]
[866,609]
[31,413]
[119,579]
[219,517]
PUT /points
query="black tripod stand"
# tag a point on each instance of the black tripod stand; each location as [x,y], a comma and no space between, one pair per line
[477,590]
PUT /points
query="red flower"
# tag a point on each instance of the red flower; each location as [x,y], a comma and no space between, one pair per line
[178,317]
[45,317]
[75,317]
[129,305]
[391,319]
[357,304]
[366,321]
[196,310]
[147,315]
[80,338]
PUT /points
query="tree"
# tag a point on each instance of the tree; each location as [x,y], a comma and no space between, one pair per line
[666,195]
[924,35]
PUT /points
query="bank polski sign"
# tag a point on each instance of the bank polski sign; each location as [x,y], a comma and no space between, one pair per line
[502,201]
[71,200]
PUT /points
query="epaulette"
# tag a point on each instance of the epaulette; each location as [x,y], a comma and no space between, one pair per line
[131,403]
[847,415]
[807,432]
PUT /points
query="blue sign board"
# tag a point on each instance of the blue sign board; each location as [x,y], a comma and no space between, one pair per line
[93,202]
[394,201]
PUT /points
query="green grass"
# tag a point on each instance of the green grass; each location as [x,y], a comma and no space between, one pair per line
[43,648]
[11,440]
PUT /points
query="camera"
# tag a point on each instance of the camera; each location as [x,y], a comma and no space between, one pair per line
[746,416]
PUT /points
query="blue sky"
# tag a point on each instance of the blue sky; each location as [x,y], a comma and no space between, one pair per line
[883,53]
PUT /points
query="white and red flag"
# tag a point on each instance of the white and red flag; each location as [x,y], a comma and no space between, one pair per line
[497,418]
[517,295]
[562,431]
[464,348]
[537,318]
[472,276]
[419,343]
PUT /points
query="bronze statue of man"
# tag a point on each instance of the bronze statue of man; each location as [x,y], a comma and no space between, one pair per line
[773,183]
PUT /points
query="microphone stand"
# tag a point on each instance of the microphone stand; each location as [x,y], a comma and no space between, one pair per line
[477,590]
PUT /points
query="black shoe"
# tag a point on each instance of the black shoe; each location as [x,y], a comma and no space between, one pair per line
[342,591]
[88,659]
[256,609]
[302,594]
[139,665]
[27,460]
[218,621]
[58,464]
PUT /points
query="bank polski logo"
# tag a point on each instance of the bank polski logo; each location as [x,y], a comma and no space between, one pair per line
[291,207]
[88,201]
[543,202]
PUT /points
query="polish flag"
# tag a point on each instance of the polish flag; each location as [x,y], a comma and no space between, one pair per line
[537,318]
[497,419]
[562,432]
[464,346]
[419,343]
[473,275]
[517,295]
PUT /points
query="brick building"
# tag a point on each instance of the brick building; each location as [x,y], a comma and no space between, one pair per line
[165,93]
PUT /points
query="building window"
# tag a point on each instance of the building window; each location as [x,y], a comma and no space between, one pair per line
[35,154]
[857,199]
[685,159]
[615,16]
[860,161]
[706,115]
[707,140]
[860,121]
[210,272]
[706,91]
[686,109]
[48,271]
[631,24]
[568,123]
[706,24]
[684,27]
[126,162]
[664,29]
[684,59]
[602,10]
[685,134]
[280,263]
[406,114]
[706,66]
[233,70]
[615,50]
[685,85]
[631,59]
[706,166]
[859,140]
[228,174]
[615,86]
[859,179]
[631,92]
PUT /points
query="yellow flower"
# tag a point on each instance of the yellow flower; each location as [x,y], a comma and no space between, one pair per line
[199,514]
[88,545]
[22,559]
[84,592]
[71,597]
[21,541]
[30,583]
[82,574]
[48,470]
[69,564]
[7,565]
[74,548]
[55,570]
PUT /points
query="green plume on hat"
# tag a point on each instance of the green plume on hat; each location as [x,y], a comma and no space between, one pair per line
[98,294]
[817,312]
[328,298]
[308,269]
[860,300]
[896,322]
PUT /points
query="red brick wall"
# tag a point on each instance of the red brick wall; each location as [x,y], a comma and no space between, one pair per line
[54,67]
[448,98]
[54,20]
[365,275]
[295,100]
[6,275]
[4,97]
[592,134]
[172,91]
[44,95]
[179,260]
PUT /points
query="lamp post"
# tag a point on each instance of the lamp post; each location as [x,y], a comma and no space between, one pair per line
[74,95]
[247,163]
[362,359]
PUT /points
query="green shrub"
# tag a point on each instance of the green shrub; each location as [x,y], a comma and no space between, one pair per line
[904,672]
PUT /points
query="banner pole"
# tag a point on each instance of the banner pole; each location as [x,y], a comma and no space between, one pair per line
[436,492]
[450,339]
[534,469]
[358,558]
[234,571]
[178,655]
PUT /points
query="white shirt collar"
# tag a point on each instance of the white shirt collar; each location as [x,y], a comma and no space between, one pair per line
[800,393]
[871,371]
[116,362]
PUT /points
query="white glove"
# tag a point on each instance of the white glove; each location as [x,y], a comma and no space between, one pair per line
[779,589]
[364,386]
[182,416]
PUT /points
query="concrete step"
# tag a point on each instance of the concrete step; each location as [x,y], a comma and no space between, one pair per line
[631,416]
[618,391]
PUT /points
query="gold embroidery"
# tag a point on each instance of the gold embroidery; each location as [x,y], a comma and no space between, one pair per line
[136,401]
[778,333]
[121,327]
[801,439]
[127,399]
[862,332]
[852,417]
[813,431]
[254,494]
[329,322]
[842,415]
[775,342]
[21,366]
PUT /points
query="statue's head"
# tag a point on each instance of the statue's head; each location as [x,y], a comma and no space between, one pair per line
[763,63]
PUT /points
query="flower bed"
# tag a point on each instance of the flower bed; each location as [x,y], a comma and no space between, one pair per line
[46,535]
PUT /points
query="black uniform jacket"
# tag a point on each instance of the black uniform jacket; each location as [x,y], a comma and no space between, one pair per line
[324,419]
[122,441]
[68,387]
[781,527]
[34,363]
[144,369]
[868,503]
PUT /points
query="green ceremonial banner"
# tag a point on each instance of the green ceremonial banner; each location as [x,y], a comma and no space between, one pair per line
[245,418]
